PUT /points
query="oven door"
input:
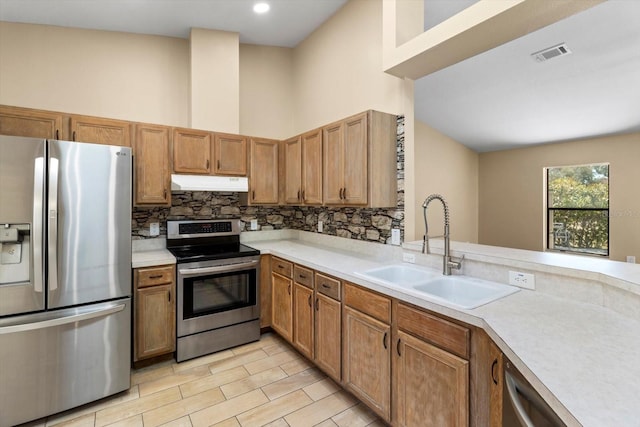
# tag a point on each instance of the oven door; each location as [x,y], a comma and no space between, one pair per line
[215,294]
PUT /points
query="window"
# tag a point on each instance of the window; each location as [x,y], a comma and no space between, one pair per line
[578,209]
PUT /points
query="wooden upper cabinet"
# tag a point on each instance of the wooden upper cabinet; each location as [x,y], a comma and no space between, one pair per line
[263,180]
[312,167]
[293,170]
[230,154]
[346,163]
[31,123]
[360,161]
[100,131]
[333,173]
[152,165]
[191,151]
[355,160]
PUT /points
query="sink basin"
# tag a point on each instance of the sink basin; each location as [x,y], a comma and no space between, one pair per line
[458,291]
[398,274]
[464,292]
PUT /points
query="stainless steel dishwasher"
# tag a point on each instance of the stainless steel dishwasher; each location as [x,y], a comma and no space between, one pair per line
[522,405]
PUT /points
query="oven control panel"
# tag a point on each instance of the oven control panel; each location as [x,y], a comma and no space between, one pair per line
[205,227]
[202,228]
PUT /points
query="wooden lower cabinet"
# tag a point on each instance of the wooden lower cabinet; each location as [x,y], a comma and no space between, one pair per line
[328,336]
[303,320]
[282,305]
[432,385]
[154,311]
[367,360]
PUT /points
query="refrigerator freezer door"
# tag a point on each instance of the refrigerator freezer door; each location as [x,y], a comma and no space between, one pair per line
[22,183]
[89,223]
[64,358]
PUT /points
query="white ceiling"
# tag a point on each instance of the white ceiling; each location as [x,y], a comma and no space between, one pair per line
[286,24]
[504,99]
[496,100]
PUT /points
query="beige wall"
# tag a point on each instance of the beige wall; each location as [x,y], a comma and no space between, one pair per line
[338,69]
[446,167]
[511,211]
[215,82]
[100,73]
[266,91]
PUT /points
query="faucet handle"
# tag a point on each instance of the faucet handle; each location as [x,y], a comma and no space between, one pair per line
[456,263]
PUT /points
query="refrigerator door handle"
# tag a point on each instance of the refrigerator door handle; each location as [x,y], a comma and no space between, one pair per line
[38,230]
[61,319]
[53,224]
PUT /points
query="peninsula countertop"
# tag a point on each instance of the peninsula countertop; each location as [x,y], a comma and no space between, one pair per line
[581,358]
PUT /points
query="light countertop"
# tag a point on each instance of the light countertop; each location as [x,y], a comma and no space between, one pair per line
[581,358]
[151,258]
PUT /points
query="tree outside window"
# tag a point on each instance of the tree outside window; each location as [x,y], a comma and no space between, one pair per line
[578,209]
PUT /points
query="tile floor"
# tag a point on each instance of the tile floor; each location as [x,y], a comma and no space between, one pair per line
[265,383]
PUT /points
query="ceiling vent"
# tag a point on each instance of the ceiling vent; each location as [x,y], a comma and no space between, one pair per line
[551,52]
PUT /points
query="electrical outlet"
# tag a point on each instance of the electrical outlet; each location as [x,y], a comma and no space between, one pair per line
[254,224]
[522,280]
[320,226]
[631,259]
[395,236]
[154,229]
[409,258]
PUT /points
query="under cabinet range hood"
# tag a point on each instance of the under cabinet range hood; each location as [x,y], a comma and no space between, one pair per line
[209,183]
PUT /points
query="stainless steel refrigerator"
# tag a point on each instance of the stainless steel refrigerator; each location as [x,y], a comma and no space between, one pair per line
[65,275]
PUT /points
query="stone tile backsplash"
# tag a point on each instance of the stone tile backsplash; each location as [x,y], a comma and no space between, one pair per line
[353,223]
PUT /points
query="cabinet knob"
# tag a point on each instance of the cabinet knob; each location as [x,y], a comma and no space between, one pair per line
[73,137]
[317,304]
[218,164]
[57,134]
[398,347]
[207,167]
[289,289]
[384,340]
[309,300]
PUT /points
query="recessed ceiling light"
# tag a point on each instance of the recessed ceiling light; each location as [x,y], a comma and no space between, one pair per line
[261,7]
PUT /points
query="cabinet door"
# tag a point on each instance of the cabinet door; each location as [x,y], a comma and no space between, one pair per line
[101,131]
[303,319]
[367,360]
[230,154]
[263,188]
[191,151]
[432,385]
[281,306]
[32,123]
[328,350]
[496,387]
[333,171]
[355,161]
[153,173]
[293,170]
[312,167]
[155,321]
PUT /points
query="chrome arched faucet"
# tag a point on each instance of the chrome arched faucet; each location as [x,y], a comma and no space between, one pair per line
[447,263]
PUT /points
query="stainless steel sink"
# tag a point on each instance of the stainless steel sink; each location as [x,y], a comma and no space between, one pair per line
[459,291]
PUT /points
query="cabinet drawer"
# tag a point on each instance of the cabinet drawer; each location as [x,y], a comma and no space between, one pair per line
[447,335]
[282,267]
[328,286]
[302,275]
[374,305]
[155,276]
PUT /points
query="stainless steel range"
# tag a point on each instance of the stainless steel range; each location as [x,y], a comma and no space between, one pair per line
[217,285]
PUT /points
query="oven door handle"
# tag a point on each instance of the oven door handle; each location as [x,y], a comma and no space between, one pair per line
[219,269]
